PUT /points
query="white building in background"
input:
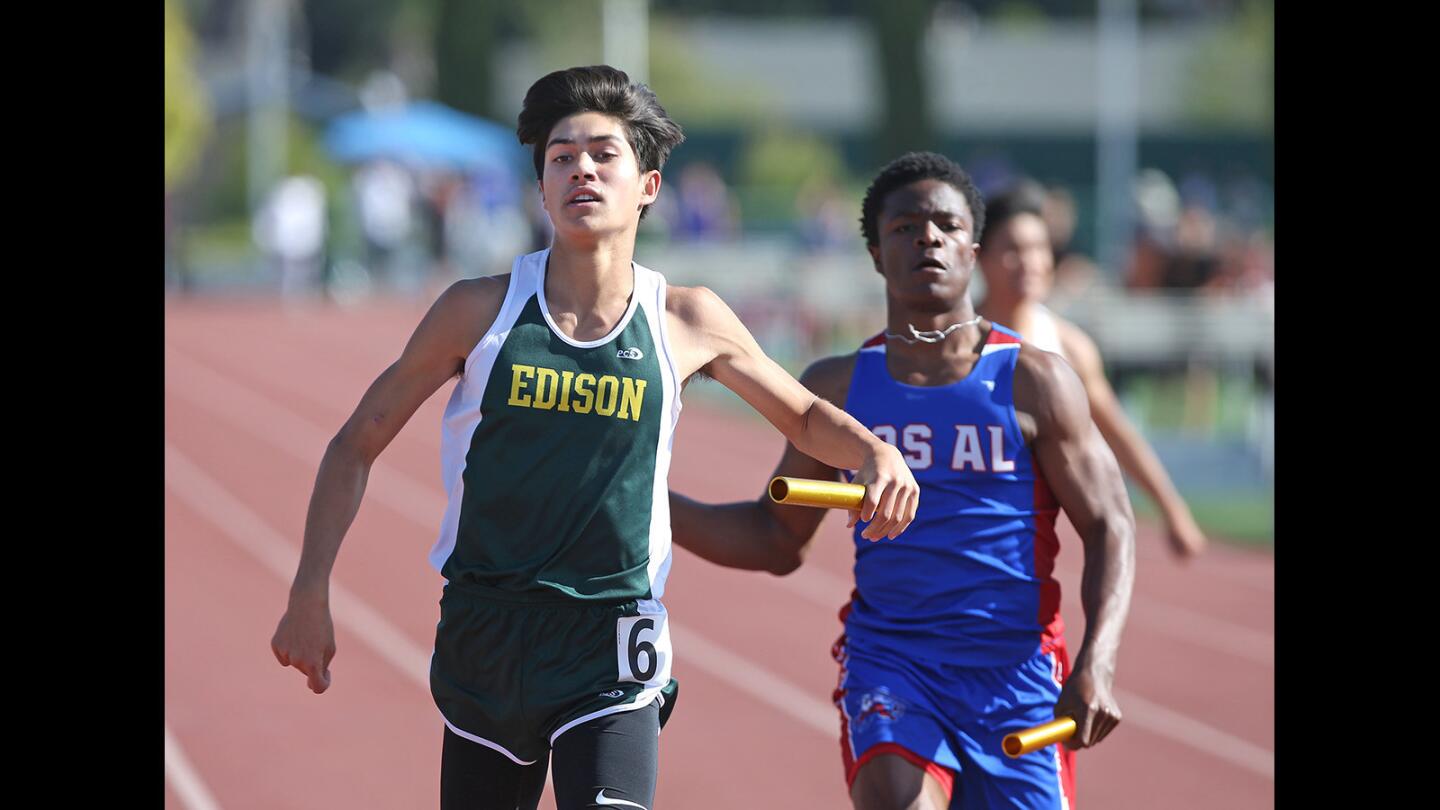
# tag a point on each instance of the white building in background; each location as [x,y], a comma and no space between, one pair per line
[824,73]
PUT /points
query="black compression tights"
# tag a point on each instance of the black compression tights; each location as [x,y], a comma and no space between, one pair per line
[617,754]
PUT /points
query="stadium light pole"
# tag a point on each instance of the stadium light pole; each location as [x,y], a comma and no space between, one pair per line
[625,30]
[267,68]
[1116,131]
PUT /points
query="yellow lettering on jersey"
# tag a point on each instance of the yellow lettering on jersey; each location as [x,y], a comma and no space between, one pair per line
[606,395]
[632,396]
[565,378]
[582,393]
[546,384]
[583,397]
[520,373]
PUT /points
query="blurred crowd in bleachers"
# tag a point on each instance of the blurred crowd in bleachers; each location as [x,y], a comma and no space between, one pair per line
[1192,236]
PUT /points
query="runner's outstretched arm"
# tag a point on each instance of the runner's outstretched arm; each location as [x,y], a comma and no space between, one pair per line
[717,343]
[761,535]
[1082,472]
[1137,458]
[436,352]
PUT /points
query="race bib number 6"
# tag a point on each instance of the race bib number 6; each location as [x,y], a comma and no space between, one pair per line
[643,645]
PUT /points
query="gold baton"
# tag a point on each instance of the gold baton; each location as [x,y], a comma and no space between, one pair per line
[1023,742]
[810,492]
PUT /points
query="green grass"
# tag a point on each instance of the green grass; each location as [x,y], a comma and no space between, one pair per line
[1244,518]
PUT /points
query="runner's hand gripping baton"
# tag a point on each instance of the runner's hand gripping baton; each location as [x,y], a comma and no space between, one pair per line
[810,492]
[837,495]
[1023,742]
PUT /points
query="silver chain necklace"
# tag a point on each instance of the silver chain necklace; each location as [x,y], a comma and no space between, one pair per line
[932,335]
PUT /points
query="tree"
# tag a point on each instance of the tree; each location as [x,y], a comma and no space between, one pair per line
[465,45]
[905,122]
[188,119]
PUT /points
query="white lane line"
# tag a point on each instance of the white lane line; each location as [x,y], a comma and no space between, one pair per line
[244,527]
[754,680]
[1209,566]
[1157,719]
[827,590]
[183,777]
[423,505]
[277,425]
[249,531]
[1206,631]
[1153,717]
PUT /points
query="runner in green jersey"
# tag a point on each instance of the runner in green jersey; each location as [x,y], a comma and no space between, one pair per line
[552,644]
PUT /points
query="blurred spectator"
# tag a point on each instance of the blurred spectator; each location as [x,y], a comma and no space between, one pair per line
[992,172]
[384,194]
[1186,241]
[1074,272]
[1197,189]
[827,223]
[541,229]
[290,231]
[484,226]
[1246,267]
[707,209]
[438,190]
[1157,208]
[1194,259]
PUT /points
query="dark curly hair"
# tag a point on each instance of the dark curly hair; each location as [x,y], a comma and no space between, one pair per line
[602,89]
[907,169]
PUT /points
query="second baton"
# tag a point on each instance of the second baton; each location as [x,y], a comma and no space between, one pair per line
[1031,739]
[810,492]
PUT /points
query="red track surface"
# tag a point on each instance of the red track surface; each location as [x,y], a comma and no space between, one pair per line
[253,392]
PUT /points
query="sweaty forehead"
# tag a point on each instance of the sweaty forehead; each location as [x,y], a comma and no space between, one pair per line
[926,198]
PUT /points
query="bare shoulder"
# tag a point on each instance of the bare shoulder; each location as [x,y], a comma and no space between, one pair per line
[1047,388]
[473,302]
[1079,347]
[479,296]
[461,315]
[829,377]
[693,306]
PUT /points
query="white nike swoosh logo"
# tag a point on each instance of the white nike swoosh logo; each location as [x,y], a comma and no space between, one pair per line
[600,799]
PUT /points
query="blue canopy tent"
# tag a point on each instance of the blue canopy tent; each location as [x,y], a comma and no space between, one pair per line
[425,135]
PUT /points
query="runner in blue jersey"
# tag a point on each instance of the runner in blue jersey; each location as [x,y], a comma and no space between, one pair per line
[953,637]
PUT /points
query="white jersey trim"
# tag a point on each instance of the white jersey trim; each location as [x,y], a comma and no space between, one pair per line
[645,698]
[991,348]
[635,293]
[506,304]
[658,569]
[462,413]
[1059,764]
[1045,332]
[487,743]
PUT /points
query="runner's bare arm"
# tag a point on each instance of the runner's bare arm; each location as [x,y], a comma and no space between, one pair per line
[1135,455]
[1082,473]
[436,352]
[709,338]
[761,535]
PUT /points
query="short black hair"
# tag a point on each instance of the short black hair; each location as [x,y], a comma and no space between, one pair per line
[907,169]
[1025,196]
[602,89]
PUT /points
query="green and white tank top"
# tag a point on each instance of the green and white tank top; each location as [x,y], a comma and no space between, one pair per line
[555,453]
